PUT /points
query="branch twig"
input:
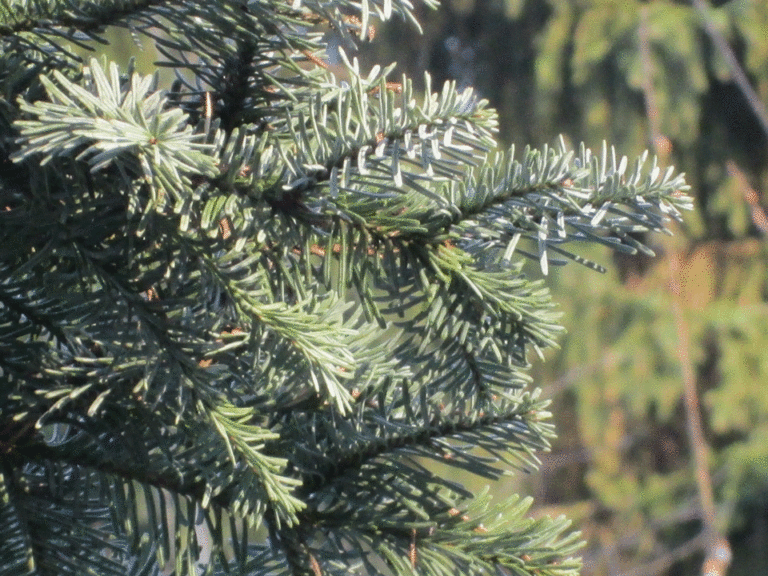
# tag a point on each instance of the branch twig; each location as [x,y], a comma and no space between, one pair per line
[739,76]
[716,547]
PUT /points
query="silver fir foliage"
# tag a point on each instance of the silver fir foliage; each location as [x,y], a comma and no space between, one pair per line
[239,315]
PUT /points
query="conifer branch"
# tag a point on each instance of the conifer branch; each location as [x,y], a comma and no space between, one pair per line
[270,295]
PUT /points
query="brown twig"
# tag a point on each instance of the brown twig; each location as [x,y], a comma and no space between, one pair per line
[694,426]
[709,539]
[759,217]
[738,74]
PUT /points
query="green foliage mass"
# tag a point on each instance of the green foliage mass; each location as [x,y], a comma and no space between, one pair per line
[237,315]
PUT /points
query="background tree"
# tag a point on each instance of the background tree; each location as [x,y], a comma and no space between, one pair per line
[238,315]
[690,80]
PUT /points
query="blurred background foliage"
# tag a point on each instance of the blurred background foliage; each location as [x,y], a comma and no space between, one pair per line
[663,76]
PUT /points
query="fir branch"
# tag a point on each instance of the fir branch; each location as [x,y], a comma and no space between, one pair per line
[270,295]
[84,17]
[383,439]
[552,198]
